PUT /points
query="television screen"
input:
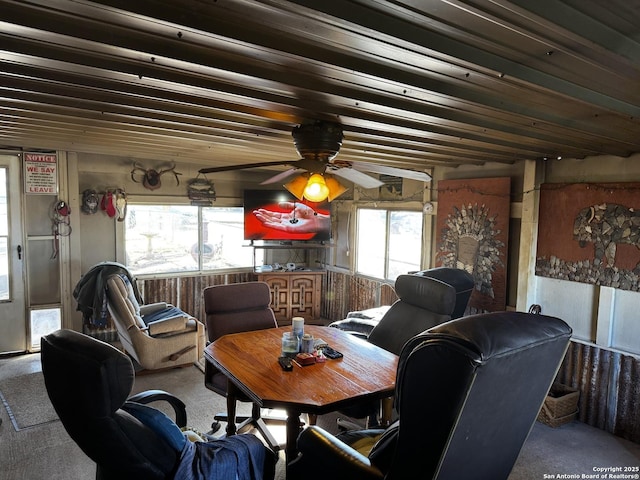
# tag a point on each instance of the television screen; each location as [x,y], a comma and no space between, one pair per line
[279,216]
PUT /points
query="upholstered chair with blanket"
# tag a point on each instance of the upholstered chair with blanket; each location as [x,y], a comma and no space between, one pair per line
[156,335]
[468,392]
[89,384]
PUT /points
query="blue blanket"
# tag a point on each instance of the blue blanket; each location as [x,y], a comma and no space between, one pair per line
[164,313]
[239,457]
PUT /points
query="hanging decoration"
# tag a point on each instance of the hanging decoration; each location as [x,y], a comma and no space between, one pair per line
[61,224]
[201,191]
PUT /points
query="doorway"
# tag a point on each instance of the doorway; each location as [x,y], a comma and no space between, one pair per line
[13,322]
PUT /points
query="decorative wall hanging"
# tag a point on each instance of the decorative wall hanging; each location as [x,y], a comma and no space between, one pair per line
[90,201]
[590,233]
[201,191]
[61,224]
[150,177]
[472,232]
[114,203]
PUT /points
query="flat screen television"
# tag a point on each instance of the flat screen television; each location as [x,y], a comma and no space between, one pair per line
[276,215]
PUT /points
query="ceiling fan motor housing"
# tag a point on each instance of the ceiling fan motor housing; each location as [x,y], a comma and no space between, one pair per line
[318,140]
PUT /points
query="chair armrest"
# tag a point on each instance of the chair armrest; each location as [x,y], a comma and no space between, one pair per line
[150,308]
[338,460]
[178,405]
[168,325]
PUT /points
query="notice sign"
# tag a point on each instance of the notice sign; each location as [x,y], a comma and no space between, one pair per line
[41,173]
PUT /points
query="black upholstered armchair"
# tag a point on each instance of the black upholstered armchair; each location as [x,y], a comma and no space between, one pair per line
[468,393]
[89,383]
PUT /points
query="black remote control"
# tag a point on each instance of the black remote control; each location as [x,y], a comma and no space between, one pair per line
[285,363]
[331,353]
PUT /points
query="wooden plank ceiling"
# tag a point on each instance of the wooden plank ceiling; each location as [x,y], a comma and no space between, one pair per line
[415,84]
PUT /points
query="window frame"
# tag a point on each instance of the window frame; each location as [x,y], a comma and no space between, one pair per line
[121,246]
[388,209]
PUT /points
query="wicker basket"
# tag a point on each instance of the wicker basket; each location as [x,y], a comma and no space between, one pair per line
[560,406]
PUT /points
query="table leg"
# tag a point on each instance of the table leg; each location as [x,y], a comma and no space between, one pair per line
[293,430]
[231,409]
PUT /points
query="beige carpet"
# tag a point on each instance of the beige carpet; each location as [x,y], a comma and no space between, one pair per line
[26,401]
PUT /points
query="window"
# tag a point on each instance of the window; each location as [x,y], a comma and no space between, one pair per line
[184,238]
[389,242]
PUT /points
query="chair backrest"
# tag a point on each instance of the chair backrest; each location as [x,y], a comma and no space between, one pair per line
[125,312]
[233,308]
[468,393]
[88,381]
[423,302]
[461,280]
[237,307]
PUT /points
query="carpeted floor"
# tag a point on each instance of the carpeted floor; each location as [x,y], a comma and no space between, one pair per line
[25,399]
[44,450]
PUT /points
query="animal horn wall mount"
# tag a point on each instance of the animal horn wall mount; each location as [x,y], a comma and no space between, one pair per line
[150,177]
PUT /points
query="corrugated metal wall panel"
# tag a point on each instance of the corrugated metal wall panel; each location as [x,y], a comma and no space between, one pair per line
[387,294]
[186,292]
[344,293]
[609,384]
[627,418]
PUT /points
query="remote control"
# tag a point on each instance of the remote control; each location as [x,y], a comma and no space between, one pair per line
[285,363]
[331,353]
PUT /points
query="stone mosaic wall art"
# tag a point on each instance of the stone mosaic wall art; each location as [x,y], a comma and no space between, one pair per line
[590,233]
[472,230]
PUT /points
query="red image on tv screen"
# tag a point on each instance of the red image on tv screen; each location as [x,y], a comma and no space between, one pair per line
[279,216]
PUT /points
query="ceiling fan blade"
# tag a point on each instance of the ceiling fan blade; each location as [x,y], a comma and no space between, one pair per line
[281,176]
[229,168]
[396,172]
[362,179]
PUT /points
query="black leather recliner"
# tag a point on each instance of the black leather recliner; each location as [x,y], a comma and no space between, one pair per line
[89,383]
[468,393]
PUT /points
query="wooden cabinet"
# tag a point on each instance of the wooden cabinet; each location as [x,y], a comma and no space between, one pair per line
[294,294]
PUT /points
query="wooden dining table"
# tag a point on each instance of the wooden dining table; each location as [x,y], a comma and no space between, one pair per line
[250,361]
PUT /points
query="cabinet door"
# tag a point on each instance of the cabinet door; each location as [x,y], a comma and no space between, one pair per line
[280,297]
[302,296]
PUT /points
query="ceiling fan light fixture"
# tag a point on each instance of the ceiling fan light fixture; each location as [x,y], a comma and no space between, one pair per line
[297,185]
[316,189]
[335,187]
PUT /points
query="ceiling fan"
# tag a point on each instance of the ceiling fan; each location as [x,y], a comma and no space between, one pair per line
[318,144]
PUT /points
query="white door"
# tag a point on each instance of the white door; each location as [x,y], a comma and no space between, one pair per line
[13,322]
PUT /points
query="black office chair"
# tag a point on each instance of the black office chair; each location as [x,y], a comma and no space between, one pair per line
[423,302]
[468,393]
[461,280]
[233,308]
[89,383]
